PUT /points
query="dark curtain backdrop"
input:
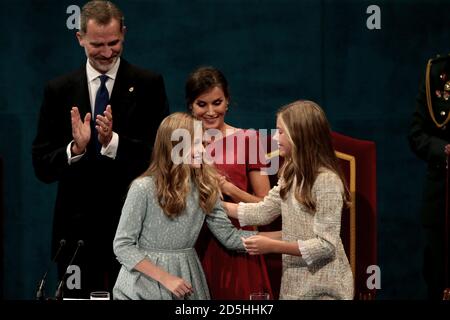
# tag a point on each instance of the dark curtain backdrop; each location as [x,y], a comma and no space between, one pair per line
[273,52]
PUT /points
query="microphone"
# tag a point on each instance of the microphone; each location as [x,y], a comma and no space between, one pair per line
[60,290]
[40,294]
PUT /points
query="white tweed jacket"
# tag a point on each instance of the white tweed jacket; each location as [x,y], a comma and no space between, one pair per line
[322,271]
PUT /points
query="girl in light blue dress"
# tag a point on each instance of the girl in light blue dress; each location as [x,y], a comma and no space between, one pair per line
[162,218]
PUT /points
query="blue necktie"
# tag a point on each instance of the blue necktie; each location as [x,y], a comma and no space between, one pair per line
[101,101]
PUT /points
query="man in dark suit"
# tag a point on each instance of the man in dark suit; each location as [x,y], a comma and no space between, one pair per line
[95,134]
[429,139]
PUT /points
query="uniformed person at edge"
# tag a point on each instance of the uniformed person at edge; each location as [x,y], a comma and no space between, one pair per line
[429,139]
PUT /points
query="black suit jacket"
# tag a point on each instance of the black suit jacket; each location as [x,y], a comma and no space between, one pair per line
[92,190]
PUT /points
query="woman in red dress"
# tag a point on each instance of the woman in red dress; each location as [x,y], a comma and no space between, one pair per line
[239,158]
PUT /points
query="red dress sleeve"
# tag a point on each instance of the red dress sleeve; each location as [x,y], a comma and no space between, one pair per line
[234,275]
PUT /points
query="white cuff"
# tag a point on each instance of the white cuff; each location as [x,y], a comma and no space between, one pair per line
[241,214]
[111,149]
[306,255]
[73,159]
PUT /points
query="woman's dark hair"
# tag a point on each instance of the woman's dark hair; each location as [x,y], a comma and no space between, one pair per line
[202,80]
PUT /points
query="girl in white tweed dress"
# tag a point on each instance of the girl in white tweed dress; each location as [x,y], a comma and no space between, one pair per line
[309,196]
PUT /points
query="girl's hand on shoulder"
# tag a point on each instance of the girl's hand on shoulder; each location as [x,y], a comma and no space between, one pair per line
[225,186]
[178,286]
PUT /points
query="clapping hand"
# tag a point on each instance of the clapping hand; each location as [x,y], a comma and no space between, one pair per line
[81,131]
[104,126]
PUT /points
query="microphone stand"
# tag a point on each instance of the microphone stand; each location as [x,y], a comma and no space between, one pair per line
[59,294]
[40,292]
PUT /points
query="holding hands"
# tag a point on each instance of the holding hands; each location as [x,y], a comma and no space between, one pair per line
[258,244]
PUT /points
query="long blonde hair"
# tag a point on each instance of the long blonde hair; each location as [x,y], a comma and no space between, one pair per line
[309,134]
[173,181]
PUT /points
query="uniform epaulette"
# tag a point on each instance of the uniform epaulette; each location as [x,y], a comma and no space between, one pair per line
[440,57]
[428,89]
